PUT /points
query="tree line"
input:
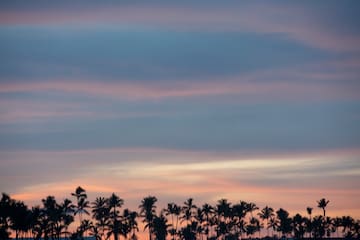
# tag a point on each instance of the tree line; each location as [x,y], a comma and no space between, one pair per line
[104,218]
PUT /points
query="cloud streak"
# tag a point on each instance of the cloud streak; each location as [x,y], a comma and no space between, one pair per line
[235,177]
[303,23]
[243,86]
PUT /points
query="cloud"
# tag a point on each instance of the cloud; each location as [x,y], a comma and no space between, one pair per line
[293,84]
[306,23]
[246,121]
[202,175]
[142,55]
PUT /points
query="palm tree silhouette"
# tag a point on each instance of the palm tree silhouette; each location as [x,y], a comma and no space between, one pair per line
[49,216]
[318,228]
[200,220]
[273,224]
[173,210]
[66,211]
[347,223]
[251,207]
[253,226]
[19,217]
[207,211]
[85,226]
[322,203]
[82,203]
[284,221]
[223,211]
[265,214]
[100,212]
[147,211]
[113,203]
[189,232]
[299,226]
[337,222]
[129,225]
[188,210]
[309,224]
[239,212]
[160,227]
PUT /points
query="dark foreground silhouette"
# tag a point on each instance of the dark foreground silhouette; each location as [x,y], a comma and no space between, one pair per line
[104,219]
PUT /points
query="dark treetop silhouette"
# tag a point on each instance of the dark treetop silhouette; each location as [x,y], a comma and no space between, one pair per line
[189,222]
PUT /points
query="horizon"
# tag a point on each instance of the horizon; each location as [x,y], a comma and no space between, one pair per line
[254,101]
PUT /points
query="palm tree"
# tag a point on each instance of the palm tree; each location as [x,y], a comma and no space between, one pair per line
[318,228]
[201,221]
[337,222]
[66,209]
[100,212]
[173,210]
[207,211]
[223,210]
[299,226]
[284,221]
[188,210]
[322,203]
[251,207]
[147,211]
[19,217]
[49,216]
[309,223]
[329,227]
[273,224]
[265,214]
[160,227]
[5,212]
[113,203]
[189,232]
[82,203]
[81,207]
[253,226]
[85,226]
[129,223]
[347,223]
[239,212]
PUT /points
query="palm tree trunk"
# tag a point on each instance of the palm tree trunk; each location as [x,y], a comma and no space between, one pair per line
[80,218]
[172,223]
[177,221]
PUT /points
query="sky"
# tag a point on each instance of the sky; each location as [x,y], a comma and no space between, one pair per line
[255,100]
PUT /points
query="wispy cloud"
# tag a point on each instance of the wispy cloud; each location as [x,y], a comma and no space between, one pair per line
[301,23]
[201,175]
[292,83]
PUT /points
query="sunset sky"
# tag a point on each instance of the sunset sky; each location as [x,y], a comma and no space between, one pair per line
[245,100]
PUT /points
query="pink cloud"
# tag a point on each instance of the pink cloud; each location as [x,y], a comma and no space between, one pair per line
[281,84]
